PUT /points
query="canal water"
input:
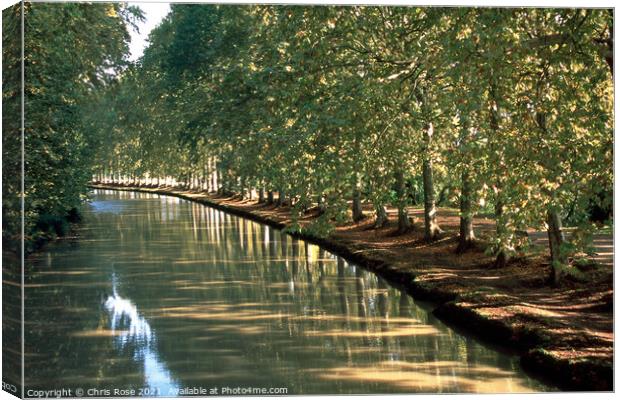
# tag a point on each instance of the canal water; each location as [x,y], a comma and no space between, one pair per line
[162,296]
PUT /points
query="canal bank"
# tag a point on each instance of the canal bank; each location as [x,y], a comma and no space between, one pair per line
[565,347]
[163,294]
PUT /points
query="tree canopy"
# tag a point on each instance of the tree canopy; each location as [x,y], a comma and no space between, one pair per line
[507,111]
[73,53]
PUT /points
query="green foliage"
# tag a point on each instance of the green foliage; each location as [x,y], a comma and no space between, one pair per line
[72,53]
[11,124]
[52,224]
[569,270]
[317,102]
[320,227]
[321,103]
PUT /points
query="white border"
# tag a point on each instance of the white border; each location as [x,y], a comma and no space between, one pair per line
[475,3]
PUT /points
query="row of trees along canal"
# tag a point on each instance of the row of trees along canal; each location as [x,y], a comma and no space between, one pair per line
[73,54]
[503,111]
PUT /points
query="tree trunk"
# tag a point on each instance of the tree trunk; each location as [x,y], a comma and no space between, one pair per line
[321,204]
[501,260]
[214,180]
[403,219]
[431,228]
[356,207]
[466,231]
[205,177]
[230,183]
[443,195]
[382,217]
[270,197]
[220,184]
[261,195]
[227,183]
[556,239]
[502,255]
[242,189]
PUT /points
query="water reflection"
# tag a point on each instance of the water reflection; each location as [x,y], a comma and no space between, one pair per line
[134,331]
[170,294]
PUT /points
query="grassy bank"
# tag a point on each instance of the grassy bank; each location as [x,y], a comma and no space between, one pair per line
[563,334]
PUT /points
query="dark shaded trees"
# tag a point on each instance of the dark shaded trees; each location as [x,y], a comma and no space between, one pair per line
[65,70]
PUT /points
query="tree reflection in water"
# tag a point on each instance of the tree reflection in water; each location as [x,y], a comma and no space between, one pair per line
[135,332]
[164,293]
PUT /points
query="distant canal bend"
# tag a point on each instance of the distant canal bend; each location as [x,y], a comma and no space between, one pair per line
[161,295]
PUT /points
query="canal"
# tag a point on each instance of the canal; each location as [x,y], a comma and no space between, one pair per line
[164,296]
